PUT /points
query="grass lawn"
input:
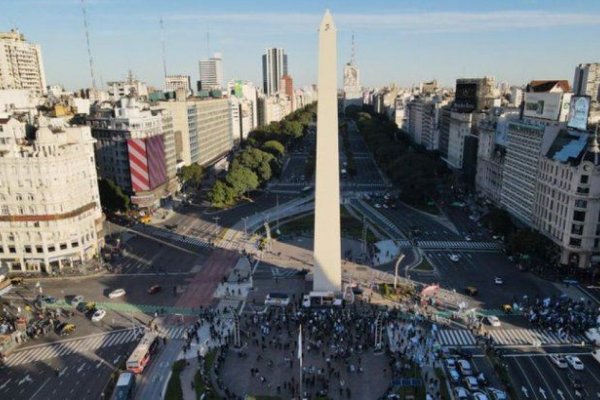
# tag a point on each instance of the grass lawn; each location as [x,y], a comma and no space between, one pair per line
[174,390]
[425,266]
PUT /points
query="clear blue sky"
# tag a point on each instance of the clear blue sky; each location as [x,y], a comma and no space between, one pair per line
[397,41]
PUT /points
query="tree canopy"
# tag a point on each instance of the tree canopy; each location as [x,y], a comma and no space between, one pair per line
[112,197]
[191,174]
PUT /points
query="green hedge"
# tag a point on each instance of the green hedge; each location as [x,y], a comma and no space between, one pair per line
[174,390]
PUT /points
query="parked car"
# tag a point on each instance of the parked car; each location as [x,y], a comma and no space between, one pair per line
[471,383]
[574,362]
[559,361]
[450,363]
[479,396]
[481,379]
[116,293]
[465,367]
[493,320]
[497,394]
[454,375]
[98,315]
[460,393]
[154,289]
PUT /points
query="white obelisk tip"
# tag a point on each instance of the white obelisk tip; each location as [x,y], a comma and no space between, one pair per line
[327,23]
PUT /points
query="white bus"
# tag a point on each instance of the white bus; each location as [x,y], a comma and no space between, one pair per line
[142,353]
[321,299]
[277,299]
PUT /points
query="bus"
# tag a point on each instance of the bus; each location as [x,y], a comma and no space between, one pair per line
[142,353]
[321,299]
[125,388]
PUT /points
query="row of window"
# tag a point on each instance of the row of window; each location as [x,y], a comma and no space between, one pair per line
[38,249]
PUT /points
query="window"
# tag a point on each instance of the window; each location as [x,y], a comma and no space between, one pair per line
[74,244]
[63,246]
[39,249]
[1,249]
[581,203]
[579,216]
[577,229]
[51,248]
[575,242]
[581,190]
[11,249]
[28,249]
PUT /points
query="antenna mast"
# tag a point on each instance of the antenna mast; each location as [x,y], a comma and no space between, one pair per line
[162,36]
[87,40]
[353,58]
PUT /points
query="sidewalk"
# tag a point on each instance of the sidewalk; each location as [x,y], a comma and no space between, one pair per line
[187,378]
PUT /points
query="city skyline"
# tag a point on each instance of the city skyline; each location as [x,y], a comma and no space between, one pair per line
[443,43]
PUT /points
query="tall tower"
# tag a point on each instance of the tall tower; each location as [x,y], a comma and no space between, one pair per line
[275,65]
[352,88]
[327,242]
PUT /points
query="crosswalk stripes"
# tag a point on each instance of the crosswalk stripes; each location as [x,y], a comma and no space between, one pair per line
[283,272]
[507,337]
[70,346]
[164,234]
[455,337]
[461,245]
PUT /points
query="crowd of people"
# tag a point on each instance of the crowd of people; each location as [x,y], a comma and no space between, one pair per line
[561,315]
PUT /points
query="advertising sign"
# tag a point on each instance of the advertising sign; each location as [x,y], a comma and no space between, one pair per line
[542,105]
[578,112]
[465,99]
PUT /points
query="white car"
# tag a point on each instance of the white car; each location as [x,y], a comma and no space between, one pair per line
[574,362]
[493,320]
[98,315]
[479,396]
[498,281]
[559,361]
[116,293]
[377,205]
[454,257]
[454,375]
[471,383]
[464,367]
[468,238]
[497,394]
[593,334]
[461,393]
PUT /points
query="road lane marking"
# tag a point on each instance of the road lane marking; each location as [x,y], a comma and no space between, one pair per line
[40,388]
[526,378]
[543,392]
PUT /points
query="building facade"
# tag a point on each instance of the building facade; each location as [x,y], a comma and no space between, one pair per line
[274,65]
[211,72]
[50,213]
[587,82]
[174,82]
[21,64]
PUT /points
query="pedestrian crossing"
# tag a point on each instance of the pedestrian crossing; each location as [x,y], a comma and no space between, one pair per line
[455,337]
[71,346]
[457,245]
[507,337]
[172,236]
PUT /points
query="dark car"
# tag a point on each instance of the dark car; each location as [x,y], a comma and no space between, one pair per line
[171,226]
[575,382]
[463,353]
[154,289]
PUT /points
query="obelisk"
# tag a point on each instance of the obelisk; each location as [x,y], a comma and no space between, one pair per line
[327,253]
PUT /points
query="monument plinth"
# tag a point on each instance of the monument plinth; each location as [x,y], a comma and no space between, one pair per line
[327,240]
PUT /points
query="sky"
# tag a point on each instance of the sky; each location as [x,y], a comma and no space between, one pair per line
[402,42]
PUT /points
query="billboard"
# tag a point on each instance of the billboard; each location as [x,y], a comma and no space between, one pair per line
[147,163]
[543,105]
[465,99]
[578,112]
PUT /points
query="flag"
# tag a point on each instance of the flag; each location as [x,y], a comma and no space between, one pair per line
[300,344]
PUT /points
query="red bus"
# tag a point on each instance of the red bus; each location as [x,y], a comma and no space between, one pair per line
[142,353]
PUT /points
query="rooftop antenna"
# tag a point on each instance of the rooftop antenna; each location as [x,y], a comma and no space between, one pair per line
[353,57]
[162,37]
[208,41]
[87,41]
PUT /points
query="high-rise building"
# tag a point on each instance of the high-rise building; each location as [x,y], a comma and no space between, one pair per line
[174,82]
[211,72]
[130,151]
[587,81]
[50,214]
[352,88]
[275,65]
[129,87]
[21,65]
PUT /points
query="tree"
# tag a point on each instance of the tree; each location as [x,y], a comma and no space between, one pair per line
[256,160]
[191,174]
[274,147]
[415,175]
[499,221]
[221,194]
[112,197]
[293,129]
[242,180]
